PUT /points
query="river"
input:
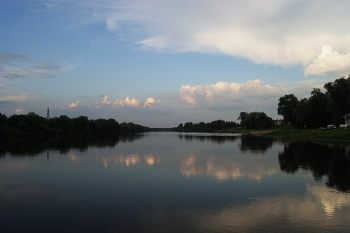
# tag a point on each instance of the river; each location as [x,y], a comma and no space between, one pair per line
[174,182]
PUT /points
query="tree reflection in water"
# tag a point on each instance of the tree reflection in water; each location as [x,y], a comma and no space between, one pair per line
[331,161]
[322,160]
[36,146]
[255,144]
[215,138]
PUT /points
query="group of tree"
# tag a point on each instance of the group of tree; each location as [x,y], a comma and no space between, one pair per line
[32,124]
[320,109]
[205,127]
[255,120]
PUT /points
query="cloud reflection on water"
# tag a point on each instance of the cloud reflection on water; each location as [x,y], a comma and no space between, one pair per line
[330,199]
[226,168]
[127,160]
[262,214]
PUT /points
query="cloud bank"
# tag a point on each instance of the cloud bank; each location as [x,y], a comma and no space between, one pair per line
[126,104]
[228,96]
[281,32]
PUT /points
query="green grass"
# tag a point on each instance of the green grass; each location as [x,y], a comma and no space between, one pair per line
[334,134]
[291,132]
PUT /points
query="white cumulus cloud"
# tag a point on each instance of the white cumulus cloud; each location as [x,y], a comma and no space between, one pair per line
[127,102]
[224,94]
[151,103]
[283,32]
[20,111]
[72,105]
[329,62]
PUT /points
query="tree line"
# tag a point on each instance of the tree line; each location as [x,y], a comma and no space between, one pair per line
[32,124]
[205,127]
[320,109]
[252,120]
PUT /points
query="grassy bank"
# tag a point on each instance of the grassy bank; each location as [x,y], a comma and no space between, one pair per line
[289,132]
[315,134]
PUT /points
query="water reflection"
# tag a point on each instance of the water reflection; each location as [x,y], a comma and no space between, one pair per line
[227,168]
[255,144]
[151,160]
[172,183]
[329,199]
[218,138]
[35,146]
[322,160]
[283,213]
[37,192]
[127,160]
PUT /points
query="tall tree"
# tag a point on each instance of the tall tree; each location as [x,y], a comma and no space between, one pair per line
[338,93]
[301,113]
[286,107]
[318,108]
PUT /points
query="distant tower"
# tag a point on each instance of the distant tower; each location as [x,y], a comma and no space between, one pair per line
[48,113]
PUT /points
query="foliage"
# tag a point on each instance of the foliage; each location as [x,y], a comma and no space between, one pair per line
[286,106]
[32,124]
[255,120]
[338,93]
[205,127]
[320,109]
[301,113]
[312,112]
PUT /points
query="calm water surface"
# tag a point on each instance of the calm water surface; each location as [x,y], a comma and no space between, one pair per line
[169,182]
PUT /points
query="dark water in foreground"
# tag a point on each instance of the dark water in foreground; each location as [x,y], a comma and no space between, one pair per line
[169,182]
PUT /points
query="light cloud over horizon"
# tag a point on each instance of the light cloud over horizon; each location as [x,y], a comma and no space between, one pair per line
[126,104]
[13,66]
[230,95]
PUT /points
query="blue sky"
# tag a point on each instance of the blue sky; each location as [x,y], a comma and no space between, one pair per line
[159,63]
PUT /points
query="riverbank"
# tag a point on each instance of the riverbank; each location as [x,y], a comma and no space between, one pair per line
[310,134]
[314,134]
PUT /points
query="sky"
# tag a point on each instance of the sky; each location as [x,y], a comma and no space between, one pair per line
[160,63]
